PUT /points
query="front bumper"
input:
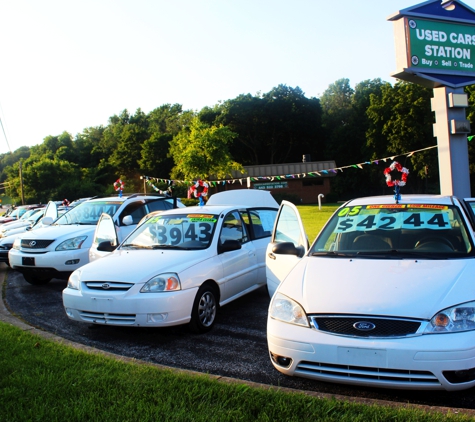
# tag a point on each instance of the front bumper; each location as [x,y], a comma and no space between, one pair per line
[130,308]
[422,362]
[53,262]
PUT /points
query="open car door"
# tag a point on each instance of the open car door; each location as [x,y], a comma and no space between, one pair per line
[50,215]
[288,245]
[105,232]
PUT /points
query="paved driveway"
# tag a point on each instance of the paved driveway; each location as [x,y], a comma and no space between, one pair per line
[235,348]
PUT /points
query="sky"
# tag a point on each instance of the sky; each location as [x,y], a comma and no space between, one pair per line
[68,65]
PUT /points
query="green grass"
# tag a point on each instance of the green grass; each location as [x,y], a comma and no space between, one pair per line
[314,218]
[43,380]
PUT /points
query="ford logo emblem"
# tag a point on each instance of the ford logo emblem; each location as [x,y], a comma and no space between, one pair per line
[32,243]
[364,326]
[106,286]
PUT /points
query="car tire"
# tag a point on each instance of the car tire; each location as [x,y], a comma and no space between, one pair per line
[35,280]
[205,307]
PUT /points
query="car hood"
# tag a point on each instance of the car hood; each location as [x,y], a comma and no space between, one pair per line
[138,266]
[405,288]
[15,223]
[57,231]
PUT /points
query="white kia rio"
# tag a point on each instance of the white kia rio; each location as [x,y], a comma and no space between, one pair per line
[179,266]
[384,297]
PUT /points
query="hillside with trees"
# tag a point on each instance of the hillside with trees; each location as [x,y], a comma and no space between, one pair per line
[364,124]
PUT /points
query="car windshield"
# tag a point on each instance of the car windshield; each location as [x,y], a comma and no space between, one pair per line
[37,214]
[394,229]
[176,231]
[89,212]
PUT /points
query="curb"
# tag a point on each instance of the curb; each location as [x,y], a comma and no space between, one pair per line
[7,318]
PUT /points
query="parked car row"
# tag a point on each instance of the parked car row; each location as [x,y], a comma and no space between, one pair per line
[383,297]
[15,213]
[59,249]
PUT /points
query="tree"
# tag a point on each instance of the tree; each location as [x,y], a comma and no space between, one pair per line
[164,123]
[470,90]
[201,151]
[401,122]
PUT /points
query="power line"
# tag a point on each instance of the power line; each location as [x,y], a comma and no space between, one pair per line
[4,134]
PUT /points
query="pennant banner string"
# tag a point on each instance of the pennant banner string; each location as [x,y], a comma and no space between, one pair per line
[151,180]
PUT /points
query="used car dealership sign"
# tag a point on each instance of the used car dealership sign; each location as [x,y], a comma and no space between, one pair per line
[435,44]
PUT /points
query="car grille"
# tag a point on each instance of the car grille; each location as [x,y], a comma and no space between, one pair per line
[380,327]
[101,318]
[108,285]
[344,373]
[35,244]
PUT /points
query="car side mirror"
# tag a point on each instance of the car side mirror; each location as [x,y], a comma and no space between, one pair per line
[288,248]
[106,246]
[47,221]
[229,245]
[127,220]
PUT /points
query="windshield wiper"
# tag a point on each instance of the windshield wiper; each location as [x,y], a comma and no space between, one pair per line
[134,245]
[333,254]
[397,253]
[166,247]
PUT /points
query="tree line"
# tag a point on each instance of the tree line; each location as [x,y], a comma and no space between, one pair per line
[375,119]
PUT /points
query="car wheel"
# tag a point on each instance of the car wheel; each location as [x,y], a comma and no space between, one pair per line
[35,280]
[204,309]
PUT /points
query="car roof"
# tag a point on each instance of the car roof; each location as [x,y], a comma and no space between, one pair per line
[405,199]
[247,198]
[236,199]
[125,198]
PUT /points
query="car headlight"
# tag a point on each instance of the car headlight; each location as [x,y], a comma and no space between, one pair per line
[165,282]
[17,243]
[73,243]
[453,320]
[74,280]
[287,310]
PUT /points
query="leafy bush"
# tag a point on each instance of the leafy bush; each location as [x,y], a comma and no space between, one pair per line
[189,201]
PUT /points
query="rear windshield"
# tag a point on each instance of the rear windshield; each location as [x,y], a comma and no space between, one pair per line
[437,229]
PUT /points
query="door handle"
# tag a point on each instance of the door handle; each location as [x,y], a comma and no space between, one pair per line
[271,255]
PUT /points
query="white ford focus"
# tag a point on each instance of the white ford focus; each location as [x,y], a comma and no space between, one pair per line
[384,297]
[179,266]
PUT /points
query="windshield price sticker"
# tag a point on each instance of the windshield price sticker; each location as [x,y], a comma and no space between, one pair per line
[176,234]
[211,220]
[400,220]
[347,211]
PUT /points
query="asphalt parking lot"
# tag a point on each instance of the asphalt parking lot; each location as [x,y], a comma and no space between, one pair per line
[235,348]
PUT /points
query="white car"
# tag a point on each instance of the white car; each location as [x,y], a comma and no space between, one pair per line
[179,266]
[26,220]
[47,214]
[59,249]
[384,297]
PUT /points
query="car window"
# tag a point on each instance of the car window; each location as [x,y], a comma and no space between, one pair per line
[159,205]
[187,231]
[135,209]
[89,212]
[27,214]
[105,231]
[288,229]
[233,228]
[424,228]
[259,222]
[36,215]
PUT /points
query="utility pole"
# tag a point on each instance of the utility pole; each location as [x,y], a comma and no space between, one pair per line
[21,185]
